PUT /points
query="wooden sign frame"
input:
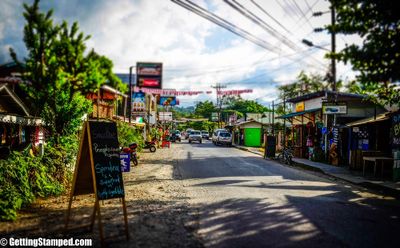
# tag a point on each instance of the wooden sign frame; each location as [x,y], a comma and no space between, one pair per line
[84,173]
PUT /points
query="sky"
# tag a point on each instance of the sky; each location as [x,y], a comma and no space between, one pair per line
[195,52]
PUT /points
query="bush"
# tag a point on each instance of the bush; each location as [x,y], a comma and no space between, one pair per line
[24,177]
[128,134]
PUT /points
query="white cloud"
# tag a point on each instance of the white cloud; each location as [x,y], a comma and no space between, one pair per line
[195,52]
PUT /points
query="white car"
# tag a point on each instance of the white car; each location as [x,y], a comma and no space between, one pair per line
[195,135]
[215,135]
[223,138]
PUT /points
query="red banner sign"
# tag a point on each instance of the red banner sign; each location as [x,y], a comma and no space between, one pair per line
[234,92]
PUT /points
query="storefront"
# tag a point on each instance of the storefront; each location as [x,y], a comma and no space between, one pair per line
[249,133]
[313,135]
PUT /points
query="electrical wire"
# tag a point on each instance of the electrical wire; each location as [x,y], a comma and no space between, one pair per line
[225,24]
[270,16]
[257,20]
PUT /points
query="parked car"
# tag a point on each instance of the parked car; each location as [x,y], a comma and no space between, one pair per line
[195,135]
[215,135]
[205,134]
[223,138]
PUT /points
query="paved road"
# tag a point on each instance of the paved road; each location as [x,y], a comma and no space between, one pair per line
[245,201]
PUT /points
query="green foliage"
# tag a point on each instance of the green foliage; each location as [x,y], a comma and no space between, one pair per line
[24,177]
[128,134]
[199,125]
[377,59]
[205,109]
[304,84]
[246,106]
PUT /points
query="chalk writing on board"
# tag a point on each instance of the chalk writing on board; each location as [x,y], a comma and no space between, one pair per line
[106,151]
[105,135]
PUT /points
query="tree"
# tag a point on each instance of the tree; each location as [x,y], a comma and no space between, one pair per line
[247,106]
[205,109]
[57,73]
[304,84]
[378,58]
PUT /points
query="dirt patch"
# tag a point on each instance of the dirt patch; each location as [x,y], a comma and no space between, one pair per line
[158,212]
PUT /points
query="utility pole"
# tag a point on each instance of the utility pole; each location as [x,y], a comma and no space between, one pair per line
[333,50]
[218,88]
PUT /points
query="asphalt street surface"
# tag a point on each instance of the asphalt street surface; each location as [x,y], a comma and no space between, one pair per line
[243,200]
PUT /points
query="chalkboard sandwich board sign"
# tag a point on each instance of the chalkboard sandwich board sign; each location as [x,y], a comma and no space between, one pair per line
[98,168]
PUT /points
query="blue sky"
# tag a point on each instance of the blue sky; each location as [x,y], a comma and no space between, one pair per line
[195,52]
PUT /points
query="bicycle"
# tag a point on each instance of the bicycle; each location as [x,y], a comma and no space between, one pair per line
[286,156]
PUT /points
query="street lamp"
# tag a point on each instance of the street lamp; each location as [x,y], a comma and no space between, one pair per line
[310,44]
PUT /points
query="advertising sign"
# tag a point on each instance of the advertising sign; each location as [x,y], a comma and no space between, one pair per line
[300,106]
[334,108]
[138,102]
[149,75]
[167,101]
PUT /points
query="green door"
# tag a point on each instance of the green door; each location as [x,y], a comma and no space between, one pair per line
[252,137]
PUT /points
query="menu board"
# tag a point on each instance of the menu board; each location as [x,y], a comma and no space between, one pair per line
[106,159]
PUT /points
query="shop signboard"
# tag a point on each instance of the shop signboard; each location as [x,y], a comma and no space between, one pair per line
[331,108]
[299,106]
[149,75]
[396,131]
[138,102]
[167,100]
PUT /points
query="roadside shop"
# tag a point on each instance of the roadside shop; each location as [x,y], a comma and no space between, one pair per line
[313,135]
[249,133]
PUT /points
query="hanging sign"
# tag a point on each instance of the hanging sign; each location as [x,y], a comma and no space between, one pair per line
[167,100]
[334,108]
[138,102]
[149,75]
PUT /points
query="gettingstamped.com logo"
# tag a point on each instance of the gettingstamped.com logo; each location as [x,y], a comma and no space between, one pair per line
[43,242]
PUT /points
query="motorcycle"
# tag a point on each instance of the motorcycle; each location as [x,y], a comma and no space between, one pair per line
[132,151]
[150,145]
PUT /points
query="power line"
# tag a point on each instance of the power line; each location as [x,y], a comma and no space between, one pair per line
[225,24]
[302,13]
[309,50]
[257,20]
[265,12]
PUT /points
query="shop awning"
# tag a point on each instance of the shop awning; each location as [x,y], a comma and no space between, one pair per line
[380,117]
[298,113]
